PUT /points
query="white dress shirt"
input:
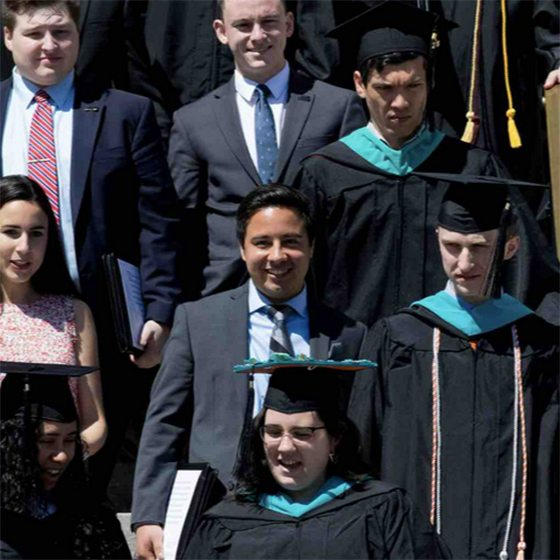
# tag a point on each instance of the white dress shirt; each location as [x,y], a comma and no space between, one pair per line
[246,101]
[260,332]
[19,113]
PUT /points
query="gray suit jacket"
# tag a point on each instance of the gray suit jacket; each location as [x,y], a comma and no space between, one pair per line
[212,168]
[197,394]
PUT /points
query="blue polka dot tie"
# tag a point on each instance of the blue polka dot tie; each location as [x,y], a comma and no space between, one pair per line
[265,135]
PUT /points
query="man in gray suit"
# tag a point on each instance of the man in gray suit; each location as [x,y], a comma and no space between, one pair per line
[214,143]
[197,403]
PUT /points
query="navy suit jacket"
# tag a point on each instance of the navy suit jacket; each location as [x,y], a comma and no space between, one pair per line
[198,401]
[213,170]
[122,197]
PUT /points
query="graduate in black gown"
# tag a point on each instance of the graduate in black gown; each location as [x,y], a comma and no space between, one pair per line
[303,491]
[378,251]
[47,511]
[464,404]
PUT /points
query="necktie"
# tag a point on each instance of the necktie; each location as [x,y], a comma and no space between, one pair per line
[265,135]
[41,162]
[280,340]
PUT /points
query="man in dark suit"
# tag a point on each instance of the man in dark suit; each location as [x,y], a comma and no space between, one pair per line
[196,400]
[113,189]
[214,145]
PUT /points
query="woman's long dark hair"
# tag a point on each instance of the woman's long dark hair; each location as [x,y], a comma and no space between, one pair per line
[253,473]
[53,276]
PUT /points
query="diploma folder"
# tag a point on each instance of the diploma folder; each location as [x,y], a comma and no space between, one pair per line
[195,490]
[125,299]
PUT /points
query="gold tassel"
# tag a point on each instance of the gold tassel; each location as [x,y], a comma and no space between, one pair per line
[513,133]
[468,135]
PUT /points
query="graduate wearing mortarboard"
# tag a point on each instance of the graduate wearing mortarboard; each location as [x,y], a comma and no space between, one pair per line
[465,400]
[378,251]
[303,490]
[47,510]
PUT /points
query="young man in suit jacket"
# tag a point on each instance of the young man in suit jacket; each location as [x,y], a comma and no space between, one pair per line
[112,187]
[213,151]
[197,403]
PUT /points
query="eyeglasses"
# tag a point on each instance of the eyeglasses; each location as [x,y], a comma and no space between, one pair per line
[273,435]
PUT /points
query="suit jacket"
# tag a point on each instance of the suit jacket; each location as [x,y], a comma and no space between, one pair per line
[213,171]
[122,198]
[197,394]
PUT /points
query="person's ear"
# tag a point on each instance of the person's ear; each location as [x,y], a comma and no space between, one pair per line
[289,24]
[8,38]
[220,30]
[359,85]
[242,251]
[512,245]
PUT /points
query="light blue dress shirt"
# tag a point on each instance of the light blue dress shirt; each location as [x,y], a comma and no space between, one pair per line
[19,113]
[260,331]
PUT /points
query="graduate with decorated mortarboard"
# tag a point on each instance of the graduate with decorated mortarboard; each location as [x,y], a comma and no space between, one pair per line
[303,490]
[47,510]
[464,403]
[377,250]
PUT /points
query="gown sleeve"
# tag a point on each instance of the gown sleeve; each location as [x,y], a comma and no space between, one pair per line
[398,530]
[211,541]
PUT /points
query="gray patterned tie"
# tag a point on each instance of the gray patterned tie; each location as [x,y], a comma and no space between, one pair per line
[280,340]
[265,135]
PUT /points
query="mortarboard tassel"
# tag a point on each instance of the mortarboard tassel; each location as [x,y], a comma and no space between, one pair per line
[513,133]
[469,136]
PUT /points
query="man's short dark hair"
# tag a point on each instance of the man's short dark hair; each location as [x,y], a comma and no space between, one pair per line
[275,196]
[221,4]
[13,8]
[378,63]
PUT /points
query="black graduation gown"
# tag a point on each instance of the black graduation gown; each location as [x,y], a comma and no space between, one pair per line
[376,248]
[393,409]
[379,521]
[93,533]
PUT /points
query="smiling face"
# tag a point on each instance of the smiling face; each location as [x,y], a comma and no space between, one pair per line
[256,31]
[277,252]
[56,443]
[466,258]
[23,242]
[44,45]
[396,99]
[299,468]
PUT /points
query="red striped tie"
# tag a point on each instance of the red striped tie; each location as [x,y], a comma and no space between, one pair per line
[41,163]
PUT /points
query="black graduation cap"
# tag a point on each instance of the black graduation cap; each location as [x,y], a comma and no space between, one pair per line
[473,204]
[392,27]
[302,384]
[40,391]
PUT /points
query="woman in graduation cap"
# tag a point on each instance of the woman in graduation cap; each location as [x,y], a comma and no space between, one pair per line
[40,320]
[47,511]
[464,405]
[302,489]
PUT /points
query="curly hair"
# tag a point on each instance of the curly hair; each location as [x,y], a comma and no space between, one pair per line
[91,530]
[253,473]
[22,485]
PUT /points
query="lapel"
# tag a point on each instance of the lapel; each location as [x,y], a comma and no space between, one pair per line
[5,88]
[227,117]
[84,7]
[299,105]
[87,118]
[235,321]
[319,341]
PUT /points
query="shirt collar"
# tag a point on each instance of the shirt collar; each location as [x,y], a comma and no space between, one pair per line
[450,289]
[258,301]
[277,85]
[26,91]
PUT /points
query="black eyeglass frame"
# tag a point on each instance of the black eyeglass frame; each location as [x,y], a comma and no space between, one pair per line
[312,430]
